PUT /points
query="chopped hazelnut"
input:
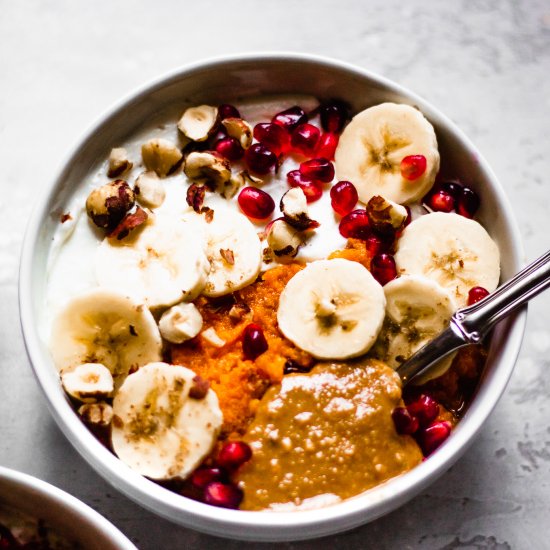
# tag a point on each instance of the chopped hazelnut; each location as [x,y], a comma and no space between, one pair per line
[236,181]
[99,414]
[161,156]
[240,130]
[129,223]
[211,336]
[199,388]
[284,239]
[385,215]
[294,208]
[149,190]
[195,196]
[108,204]
[207,168]
[118,162]
[180,323]
[197,123]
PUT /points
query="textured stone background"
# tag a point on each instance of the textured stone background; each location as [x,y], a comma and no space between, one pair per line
[485,63]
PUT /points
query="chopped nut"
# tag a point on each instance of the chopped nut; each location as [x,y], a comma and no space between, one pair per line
[284,239]
[211,336]
[208,213]
[195,196]
[65,217]
[161,156]
[149,190]
[227,255]
[118,162]
[385,215]
[236,181]
[180,323]
[239,311]
[208,168]
[100,413]
[294,208]
[240,130]
[128,223]
[200,388]
[108,204]
[197,123]
[88,382]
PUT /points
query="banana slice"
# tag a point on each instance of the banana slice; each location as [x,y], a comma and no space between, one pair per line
[234,251]
[161,427]
[417,310]
[160,265]
[102,326]
[454,251]
[333,309]
[373,145]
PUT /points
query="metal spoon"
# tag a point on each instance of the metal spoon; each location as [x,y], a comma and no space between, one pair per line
[469,325]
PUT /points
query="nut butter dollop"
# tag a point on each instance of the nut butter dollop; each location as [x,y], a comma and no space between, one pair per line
[328,432]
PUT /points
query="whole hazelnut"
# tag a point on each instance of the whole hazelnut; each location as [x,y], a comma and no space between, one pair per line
[108,204]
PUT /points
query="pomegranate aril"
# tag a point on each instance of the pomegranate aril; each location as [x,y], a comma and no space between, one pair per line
[343,197]
[318,169]
[355,225]
[260,159]
[304,139]
[312,191]
[273,136]
[254,342]
[383,268]
[327,145]
[404,422]
[476,294]
[377,244]
[425,408]
[433,436]
[256,203]
[229,148]
[467,203]
[333,116]
[452,188]
[233,454]
[228,111]
[224,495]
[413,166]
[290,118]
[203,476]
[441,202]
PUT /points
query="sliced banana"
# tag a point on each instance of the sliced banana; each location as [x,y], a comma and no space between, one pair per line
[234,252]
[158,429]
[454,251]
[333,309]
[103,326]
[373,145]
[160,265]
[417,310]
[88,382]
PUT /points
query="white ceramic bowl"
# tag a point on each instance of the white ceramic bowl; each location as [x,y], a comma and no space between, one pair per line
[68,516]
[223,80]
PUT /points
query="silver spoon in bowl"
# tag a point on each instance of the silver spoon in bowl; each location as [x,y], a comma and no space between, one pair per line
[470,325]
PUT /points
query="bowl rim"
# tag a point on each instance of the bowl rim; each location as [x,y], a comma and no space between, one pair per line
[237,523]
[52,495]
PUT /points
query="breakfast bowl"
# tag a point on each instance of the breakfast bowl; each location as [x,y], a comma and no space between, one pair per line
[235,80]
[30,507]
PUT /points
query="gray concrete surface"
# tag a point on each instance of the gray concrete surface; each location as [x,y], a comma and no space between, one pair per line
[482,62]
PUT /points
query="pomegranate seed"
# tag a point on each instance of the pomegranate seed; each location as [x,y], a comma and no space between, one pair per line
[441,202]
[312,191]
[233,454]
[453,188]
[468,203]
[343,197]
[333,116]
[433,436]
[229,148]
[404,422]
[377,244]
[413,166]
[254,342]
[355,225]
[290,118]
[260,159]
[476,294]
[273,136]
[305,138]
[383,268]
[327,145]
[224,495]
[425,409]
[228,111]
[256,203]
[318,169]
[203,476]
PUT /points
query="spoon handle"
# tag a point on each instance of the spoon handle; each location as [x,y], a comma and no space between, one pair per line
[471,324]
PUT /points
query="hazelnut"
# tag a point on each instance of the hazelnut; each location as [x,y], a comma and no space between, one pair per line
[211,336]
[88,382]
[197,123]
[236,181]
[160,155]
[108,204]
[284,239]
[118,162]
[385,216]
[207,168]
[131,221]
[99,414]
[293,205]
[149,190]
[180,323]
[240,130]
